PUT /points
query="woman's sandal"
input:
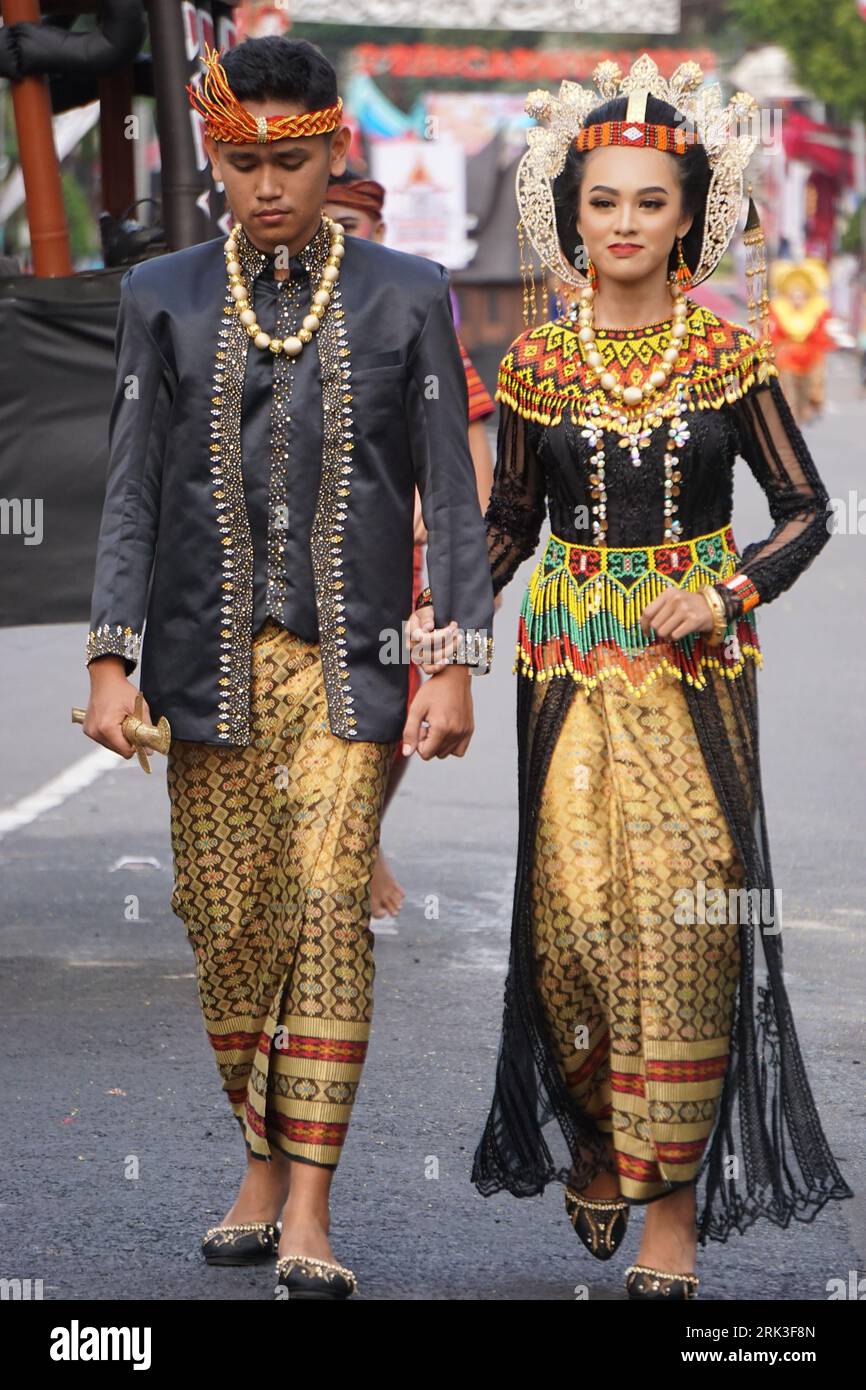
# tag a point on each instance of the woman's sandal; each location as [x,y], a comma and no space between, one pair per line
[601,1222]
[247,1243]
[306,1276]
[642,1281]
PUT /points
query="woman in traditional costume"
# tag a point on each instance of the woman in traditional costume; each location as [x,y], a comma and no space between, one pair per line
[799,315]
[640,1060]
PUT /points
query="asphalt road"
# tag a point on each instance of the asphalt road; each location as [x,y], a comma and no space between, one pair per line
[119,1149]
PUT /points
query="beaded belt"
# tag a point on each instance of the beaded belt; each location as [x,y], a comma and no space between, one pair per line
[580,614]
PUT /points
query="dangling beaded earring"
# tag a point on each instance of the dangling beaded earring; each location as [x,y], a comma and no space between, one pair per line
[756,280]
[592,274]
[527,272]
[683,274]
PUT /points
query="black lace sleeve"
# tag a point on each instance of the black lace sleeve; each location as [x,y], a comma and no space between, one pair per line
[769,439]
[517,508]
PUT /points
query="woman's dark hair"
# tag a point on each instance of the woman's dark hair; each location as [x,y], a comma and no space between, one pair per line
[275,68]
[693,169]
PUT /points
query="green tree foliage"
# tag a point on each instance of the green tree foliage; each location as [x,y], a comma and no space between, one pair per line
[825,39]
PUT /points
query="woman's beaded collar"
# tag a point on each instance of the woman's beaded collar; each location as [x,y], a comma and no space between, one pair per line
[543,375]
[643,331]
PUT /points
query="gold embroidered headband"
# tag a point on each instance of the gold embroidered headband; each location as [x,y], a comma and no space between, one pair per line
[227,120]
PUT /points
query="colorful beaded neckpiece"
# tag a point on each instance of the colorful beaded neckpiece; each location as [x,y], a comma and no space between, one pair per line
[544,373]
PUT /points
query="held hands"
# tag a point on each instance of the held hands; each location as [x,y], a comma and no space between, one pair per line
[430,647]
[675,613]
[112,698]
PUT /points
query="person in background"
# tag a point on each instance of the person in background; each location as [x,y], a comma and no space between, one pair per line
[799,311]
[859,321]
[357,203]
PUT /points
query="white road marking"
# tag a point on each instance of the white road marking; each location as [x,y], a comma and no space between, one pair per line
[58,790]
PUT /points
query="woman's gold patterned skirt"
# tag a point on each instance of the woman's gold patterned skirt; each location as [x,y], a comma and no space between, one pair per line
[636,938]
[274,845]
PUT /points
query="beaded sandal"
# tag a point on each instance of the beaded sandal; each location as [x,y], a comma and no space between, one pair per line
[600,1222]
[644,1282]
[306,1276]
[246,1243]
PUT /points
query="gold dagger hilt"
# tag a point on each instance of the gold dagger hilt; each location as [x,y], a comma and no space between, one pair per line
[135,731]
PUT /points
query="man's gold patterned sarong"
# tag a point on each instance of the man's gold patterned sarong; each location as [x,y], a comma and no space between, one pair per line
[274,845]
[631,843]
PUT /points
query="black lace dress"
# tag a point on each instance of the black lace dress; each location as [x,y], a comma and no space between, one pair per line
[766,1117]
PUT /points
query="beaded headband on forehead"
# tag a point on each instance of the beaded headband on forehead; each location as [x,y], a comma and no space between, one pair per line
[634,130]
[227,120]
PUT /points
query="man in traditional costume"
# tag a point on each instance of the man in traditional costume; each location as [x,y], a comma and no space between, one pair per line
[280,393]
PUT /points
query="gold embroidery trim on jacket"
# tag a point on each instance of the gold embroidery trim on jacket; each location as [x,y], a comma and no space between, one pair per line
[328,531]
[236,580]
[109,640]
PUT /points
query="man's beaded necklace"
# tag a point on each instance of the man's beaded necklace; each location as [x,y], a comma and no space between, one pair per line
[292,346]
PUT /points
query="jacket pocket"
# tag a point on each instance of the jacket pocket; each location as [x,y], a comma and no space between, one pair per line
[363,361]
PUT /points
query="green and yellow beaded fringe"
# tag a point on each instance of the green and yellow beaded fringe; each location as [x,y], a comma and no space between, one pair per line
[580,614]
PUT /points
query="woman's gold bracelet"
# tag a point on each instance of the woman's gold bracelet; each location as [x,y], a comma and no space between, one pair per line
[720,619]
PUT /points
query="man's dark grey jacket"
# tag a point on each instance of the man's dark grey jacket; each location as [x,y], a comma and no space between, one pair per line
[241,484]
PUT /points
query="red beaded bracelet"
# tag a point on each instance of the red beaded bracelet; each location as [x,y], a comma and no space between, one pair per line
[743,588]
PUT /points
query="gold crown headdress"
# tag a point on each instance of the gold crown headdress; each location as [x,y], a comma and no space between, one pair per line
[728,150]
[226,119]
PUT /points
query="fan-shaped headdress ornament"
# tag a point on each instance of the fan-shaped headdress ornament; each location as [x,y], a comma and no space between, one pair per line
[727,134]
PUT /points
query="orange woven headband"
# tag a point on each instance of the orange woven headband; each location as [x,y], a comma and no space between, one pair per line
[227,120]
[636,133]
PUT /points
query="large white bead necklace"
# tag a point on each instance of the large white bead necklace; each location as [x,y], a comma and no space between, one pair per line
[637,434]
[321,298]
[658,378]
